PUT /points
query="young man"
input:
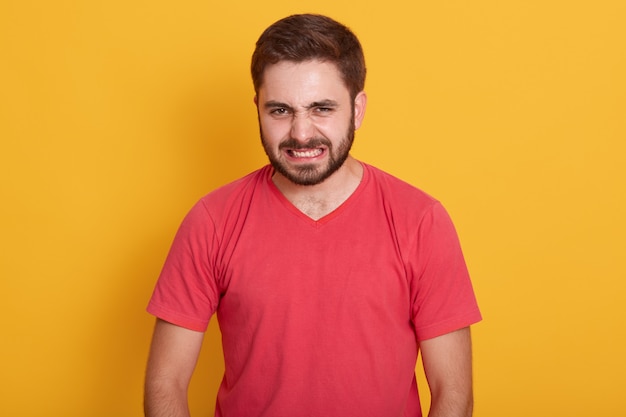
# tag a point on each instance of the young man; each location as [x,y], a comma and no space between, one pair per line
[327,275]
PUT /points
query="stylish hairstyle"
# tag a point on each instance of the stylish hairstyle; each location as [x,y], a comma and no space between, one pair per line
[306,37]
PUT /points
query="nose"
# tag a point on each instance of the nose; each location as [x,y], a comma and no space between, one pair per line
[301,127]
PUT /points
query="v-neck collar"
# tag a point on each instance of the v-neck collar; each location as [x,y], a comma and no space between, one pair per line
[325,219]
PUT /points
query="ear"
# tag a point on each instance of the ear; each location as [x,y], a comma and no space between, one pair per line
[256,100]
[360,102]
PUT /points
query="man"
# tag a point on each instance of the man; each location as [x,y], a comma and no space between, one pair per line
[327,275]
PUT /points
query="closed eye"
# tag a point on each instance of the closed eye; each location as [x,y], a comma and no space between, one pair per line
[323,107]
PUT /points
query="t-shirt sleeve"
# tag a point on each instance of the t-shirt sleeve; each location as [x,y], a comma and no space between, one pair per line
[442,296]
[186,293]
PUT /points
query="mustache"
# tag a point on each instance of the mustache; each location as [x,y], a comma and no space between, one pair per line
[292,143]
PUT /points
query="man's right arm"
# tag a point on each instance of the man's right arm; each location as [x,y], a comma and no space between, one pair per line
[173,356]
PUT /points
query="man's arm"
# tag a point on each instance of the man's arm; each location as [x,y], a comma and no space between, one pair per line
[173,356]
[448,367]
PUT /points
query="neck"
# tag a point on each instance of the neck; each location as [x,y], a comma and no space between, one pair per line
[316,201]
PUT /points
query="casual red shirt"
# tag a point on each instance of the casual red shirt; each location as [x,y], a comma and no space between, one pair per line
[318,318]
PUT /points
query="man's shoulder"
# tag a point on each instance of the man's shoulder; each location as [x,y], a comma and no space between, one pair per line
[391,186]
[408,206]
[234,194]
[238,186]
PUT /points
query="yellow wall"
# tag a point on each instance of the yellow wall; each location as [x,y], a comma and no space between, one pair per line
[116,116]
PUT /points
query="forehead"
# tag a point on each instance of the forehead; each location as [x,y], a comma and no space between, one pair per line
[303,80]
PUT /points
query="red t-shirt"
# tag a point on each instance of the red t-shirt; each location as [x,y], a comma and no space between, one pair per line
[318,318]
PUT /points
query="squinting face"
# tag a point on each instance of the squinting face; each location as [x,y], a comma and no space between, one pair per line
[307,120]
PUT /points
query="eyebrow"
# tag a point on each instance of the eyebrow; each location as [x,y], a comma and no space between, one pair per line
[272,104]
[323,103]
[276,104]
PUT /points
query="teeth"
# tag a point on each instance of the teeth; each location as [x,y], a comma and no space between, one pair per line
[307,154]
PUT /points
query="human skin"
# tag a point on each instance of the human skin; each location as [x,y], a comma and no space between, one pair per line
[297,103]
[307,106]
[447,363]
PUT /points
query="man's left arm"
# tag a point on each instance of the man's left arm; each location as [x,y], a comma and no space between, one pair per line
[448,367]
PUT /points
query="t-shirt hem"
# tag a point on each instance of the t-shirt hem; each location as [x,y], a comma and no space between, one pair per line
[448,326]
[178,319]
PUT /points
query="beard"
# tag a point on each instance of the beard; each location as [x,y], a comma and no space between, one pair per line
[311,174]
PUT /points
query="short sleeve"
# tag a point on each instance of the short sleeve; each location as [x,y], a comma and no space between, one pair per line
[186,292]
[442,297]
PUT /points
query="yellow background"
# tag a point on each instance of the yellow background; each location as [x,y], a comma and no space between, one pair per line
[116,116]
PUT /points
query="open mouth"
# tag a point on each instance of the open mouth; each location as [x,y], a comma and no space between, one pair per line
[305,153]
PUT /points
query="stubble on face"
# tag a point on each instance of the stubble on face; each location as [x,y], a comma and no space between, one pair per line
[310,174]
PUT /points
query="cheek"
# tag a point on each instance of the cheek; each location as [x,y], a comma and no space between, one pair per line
[274,130]
[333,128]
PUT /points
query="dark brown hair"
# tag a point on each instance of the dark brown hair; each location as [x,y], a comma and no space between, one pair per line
[306,37]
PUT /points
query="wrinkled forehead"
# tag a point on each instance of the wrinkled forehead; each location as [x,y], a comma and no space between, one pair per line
[308,78]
